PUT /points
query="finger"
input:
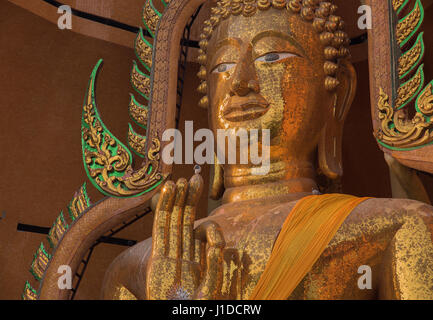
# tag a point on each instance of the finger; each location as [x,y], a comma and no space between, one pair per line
[195,187]
[230,281]
[198,251]
[210,232]
[200,256]
[175,239]
[211,286]
[161,219]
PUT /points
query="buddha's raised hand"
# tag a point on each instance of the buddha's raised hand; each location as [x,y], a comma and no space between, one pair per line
[180,266]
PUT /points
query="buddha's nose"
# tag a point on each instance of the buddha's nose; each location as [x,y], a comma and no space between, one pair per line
[239,87]
[245,78]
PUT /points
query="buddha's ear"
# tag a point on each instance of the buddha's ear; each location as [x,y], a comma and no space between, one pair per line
[330,144]
[217,183]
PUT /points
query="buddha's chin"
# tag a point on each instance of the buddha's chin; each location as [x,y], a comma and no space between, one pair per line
[254,121]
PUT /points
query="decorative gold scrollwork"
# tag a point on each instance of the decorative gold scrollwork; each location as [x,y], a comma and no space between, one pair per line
[409,60]
[408,90]
[425,101]
[137,142]
[140,81]
[138,112]
[108,162]
[143,49]
[409,24]
[151,17]
[396,131]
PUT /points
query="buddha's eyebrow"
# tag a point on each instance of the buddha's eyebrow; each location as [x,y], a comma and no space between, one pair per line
[278,34]
[228,41]
[236,42]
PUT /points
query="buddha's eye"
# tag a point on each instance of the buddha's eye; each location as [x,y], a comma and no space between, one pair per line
[275,56]
[223,67]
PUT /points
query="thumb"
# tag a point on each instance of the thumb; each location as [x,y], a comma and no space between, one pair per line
[210,287]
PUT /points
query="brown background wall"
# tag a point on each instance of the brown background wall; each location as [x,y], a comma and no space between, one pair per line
[44,73]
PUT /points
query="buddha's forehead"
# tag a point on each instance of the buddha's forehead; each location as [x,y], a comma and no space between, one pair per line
[247,29]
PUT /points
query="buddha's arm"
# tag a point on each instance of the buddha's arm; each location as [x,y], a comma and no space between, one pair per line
[408,260]
[125,279]
[400,233]
[391,236]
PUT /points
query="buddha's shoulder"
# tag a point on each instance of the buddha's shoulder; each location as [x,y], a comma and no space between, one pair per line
[378,219]
[391,209]
[374,217]
[369,208]
[372,208]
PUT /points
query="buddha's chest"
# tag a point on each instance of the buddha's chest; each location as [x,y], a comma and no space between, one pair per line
[245,260]
[335,275]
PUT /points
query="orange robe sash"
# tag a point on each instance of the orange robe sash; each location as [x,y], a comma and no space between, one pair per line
[307,231]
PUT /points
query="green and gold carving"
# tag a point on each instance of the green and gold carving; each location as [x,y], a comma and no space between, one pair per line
[412,58]
[408,90]
[40,262]
[137,142]
[397,130]
[108,162]
[140,81]
[29,293]
[57,230]
[424,104]
[151,17]
[399,5]
[79,203]
[143,50]
[138,112]
[409,25]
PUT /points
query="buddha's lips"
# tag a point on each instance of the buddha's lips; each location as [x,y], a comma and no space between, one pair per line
[249,110]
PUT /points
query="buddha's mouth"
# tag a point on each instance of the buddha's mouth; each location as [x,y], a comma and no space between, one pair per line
[247,110]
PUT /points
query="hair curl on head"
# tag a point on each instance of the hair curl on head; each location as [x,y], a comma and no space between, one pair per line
[320,13]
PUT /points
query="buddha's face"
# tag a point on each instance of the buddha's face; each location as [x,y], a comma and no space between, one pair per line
[266,72]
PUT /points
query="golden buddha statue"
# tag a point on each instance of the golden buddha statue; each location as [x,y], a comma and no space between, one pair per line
[283,66]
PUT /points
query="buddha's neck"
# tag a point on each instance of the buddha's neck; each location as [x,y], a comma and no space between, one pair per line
[284,178]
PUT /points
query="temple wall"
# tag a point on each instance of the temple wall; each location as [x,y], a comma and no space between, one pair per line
[43,76]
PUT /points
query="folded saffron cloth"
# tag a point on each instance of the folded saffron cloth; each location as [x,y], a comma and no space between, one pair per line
[307,231]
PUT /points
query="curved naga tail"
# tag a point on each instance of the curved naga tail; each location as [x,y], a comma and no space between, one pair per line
[108,164]
[79,204]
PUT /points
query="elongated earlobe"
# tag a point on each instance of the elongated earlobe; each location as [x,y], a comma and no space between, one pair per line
[330,144]
[217,184]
